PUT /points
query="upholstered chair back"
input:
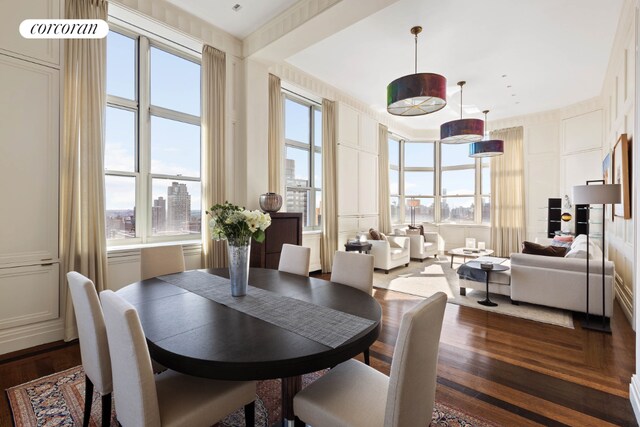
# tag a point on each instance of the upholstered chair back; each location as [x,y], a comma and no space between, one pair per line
[295,259]
[353,269]
[94,347]
[160,260]
[412,383]
[133,383]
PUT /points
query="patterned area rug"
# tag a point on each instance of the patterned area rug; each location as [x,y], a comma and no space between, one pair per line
[58,400]
[426,278]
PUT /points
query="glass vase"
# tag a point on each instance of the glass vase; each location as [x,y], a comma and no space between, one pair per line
[239,252]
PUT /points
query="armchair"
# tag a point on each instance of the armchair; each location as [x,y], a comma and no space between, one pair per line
[390,253]
[425,246]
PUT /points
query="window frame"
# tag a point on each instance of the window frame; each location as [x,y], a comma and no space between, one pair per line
[144,111]
[313,188]
[478,196]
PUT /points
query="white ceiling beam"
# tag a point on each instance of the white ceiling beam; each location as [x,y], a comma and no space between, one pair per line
[304,24]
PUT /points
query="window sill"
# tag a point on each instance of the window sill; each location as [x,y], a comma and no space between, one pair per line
[311,232]
[136,247]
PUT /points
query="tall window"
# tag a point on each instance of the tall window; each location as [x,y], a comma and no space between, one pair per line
[457,184]
[394,179]
[419,180]
[303,159]
[438,182]
[152,144]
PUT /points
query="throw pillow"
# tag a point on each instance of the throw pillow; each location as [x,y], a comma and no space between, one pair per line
[399,232]
[394,244]
[375,234]
[413,232]
[383,236]
[536,249]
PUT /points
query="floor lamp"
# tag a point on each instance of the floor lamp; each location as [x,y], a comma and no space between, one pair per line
[413,204]
[603,194]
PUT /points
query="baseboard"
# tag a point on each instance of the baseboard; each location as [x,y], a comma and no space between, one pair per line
[634,396]
[28,336]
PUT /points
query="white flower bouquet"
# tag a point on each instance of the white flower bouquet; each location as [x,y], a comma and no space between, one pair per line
[237,225]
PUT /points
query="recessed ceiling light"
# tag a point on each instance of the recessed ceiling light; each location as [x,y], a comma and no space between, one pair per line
[508,86]
[504,75]
[236,7]
[517,102]
[513,94]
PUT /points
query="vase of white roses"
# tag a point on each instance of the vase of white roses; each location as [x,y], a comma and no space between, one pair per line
[237,226]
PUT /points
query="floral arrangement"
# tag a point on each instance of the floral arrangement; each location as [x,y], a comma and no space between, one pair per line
[237,225]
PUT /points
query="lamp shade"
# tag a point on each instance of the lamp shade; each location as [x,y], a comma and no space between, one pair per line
[461,131]
[487,148]
[605,194]
[413,203]
[417,94]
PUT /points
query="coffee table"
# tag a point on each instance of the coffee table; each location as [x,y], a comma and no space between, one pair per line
[496,267]
[466,253]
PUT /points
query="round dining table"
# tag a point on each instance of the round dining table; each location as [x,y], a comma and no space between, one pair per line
[197,336]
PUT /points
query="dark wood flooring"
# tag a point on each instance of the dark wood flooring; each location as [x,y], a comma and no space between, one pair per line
[510,371]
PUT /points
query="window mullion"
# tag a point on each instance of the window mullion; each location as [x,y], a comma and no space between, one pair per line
[143,215]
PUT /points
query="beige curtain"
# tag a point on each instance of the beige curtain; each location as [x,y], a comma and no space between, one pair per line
[507,193]
[214,253]
[276,135]
[83,245]
[329,241]
[383,179]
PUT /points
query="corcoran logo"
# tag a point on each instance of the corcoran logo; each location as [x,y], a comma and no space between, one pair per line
[64,28]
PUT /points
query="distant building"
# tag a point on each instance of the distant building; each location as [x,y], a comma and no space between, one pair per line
[178,207]
[159,215]
[296,200]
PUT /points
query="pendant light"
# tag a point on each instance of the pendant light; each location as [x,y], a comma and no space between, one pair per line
[461,131]
[419,93]
[487,147]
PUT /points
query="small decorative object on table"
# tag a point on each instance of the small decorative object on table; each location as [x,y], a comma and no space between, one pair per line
[486,266]
[270,202]
[237,226]
[481,246]
[470,243]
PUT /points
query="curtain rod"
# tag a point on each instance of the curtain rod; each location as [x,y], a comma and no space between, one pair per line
[284,89]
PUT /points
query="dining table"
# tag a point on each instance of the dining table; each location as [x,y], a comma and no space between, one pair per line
[286,326]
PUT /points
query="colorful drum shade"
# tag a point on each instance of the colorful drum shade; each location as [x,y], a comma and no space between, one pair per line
[488,148]
[419,93]
[461,131]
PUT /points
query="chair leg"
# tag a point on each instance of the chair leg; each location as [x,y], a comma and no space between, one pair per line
[88,399]
[106,410]
[366,357]
[250,414]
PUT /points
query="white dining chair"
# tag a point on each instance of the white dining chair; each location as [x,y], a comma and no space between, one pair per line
[94,347]
[353,394]
[355,270]
[160,260]
[295,259]
[169,398]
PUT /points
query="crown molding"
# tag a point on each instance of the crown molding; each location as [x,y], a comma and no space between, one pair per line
[169,15]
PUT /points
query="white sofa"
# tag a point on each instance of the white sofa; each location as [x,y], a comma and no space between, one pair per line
[391,253]
[561,282]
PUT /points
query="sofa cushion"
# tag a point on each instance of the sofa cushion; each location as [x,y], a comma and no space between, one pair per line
[537,249]
[394,244]
[580,250]
[397,253]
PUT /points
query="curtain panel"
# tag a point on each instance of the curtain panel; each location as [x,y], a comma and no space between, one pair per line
[83,244]
[329,241]
[276,135]
[383,179]
[214,253]
[508,220]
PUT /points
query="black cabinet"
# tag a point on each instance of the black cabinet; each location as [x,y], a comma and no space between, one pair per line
[286,227]
[554,216]
[582,219]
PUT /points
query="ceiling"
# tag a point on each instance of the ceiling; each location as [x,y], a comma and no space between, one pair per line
[552,53]
[252,15]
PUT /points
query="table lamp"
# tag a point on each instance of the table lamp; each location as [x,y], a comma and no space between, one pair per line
[604,194]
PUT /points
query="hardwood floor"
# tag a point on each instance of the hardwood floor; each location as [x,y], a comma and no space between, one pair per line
[510,371]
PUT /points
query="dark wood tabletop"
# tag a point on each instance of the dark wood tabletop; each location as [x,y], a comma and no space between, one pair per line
[197,336]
